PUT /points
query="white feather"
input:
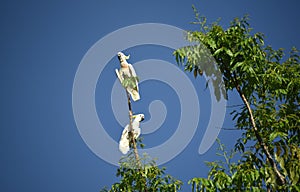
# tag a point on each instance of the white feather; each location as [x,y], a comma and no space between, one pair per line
[124,141]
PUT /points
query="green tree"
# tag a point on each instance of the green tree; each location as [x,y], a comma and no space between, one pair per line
[268,84]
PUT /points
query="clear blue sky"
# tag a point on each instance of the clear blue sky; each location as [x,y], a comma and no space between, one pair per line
[42,44]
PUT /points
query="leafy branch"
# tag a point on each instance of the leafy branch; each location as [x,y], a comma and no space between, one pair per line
[270,92]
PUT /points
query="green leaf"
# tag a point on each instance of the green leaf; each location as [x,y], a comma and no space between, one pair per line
[228,51]
[238,64]
[218,51]
[277,134]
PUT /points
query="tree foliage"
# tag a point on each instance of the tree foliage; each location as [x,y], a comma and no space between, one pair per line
[268,83]
[143,175]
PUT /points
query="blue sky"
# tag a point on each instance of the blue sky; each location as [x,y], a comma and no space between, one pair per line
[42,45]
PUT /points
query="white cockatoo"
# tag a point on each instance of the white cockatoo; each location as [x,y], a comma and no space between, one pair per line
[126,72]
[124,141]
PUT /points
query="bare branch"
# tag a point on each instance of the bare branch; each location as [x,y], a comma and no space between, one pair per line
[131,134]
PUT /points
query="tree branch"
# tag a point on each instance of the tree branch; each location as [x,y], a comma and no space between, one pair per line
[259,138]
[131,133]
[132,140]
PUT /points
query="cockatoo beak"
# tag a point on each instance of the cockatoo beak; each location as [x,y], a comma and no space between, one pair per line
[119,56]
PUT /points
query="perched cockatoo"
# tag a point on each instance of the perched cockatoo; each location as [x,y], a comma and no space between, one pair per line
[126,72]
[124,141]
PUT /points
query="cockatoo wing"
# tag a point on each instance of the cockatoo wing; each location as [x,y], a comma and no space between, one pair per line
[134,94]
[124,141]
[119,76]
[124,146]
[136,127]
[137,132]
[131,70]
[125,131]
